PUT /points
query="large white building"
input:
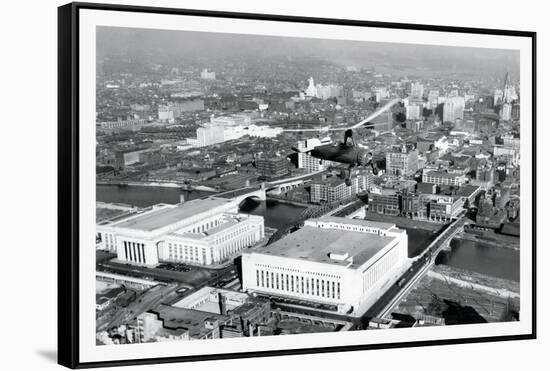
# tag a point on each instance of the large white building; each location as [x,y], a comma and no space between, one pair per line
[206,231]
[335,188]
[417,91]
[333,261]
[207,75]
[453,109]
[224,128]
[414,111]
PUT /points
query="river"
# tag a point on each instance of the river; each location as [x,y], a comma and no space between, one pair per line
[276,214]
[489,260]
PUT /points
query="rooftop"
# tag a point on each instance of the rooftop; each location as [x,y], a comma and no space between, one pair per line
[315,244]
[180,318]
[361,222]
[331,181]
[442,174]
[166,216]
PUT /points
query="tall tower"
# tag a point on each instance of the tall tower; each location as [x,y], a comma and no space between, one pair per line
[505,93]
[311,91]
[506,108]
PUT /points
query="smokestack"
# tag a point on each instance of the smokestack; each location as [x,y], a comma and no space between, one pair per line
[250,329]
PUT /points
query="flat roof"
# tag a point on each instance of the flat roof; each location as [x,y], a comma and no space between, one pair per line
[315,244]
[169,215]
[332,181]
[361,222]
[193,320]
[443,174]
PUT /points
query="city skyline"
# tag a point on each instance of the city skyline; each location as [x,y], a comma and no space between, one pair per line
[262,186]
[360,54]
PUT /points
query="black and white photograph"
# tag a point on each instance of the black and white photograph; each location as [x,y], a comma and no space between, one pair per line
[262,186]
[254,185]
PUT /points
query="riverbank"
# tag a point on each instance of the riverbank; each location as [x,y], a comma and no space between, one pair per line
[182,186]
[288,202]
[492,239]
[467,279]
[456,296]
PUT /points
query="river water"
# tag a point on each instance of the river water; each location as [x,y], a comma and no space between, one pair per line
[489,260]
[276,214]
[486,259]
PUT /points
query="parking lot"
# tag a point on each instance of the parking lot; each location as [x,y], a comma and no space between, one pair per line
[175,267]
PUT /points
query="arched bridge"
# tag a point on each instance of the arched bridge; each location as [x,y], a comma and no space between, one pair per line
[239,195]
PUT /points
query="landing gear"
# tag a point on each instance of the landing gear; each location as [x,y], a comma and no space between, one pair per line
[348,134]
[347,175]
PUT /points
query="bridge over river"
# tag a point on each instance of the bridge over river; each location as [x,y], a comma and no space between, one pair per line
[384,306]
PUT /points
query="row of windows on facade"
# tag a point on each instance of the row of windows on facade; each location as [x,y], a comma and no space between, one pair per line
[223,238]
[109,241]
[297,271]
[191,253]
[298,284]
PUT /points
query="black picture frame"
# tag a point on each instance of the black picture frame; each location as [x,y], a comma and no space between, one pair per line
[68,181]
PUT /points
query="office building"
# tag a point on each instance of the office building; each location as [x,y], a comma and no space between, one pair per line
[453,109]
[414,112]
[169,112]
[506,112]
[403,161]
[417,91]
[384,201]
[433,96]
[271,167]
[331,189]
[443,178]
[335,261]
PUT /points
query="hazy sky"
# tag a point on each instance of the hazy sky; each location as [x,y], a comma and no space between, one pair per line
[136,42]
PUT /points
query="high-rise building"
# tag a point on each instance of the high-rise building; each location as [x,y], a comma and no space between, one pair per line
[433,96]
[417,91]
[453,109]
[506,112]
[414,112]
[380,93]
[403,161]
